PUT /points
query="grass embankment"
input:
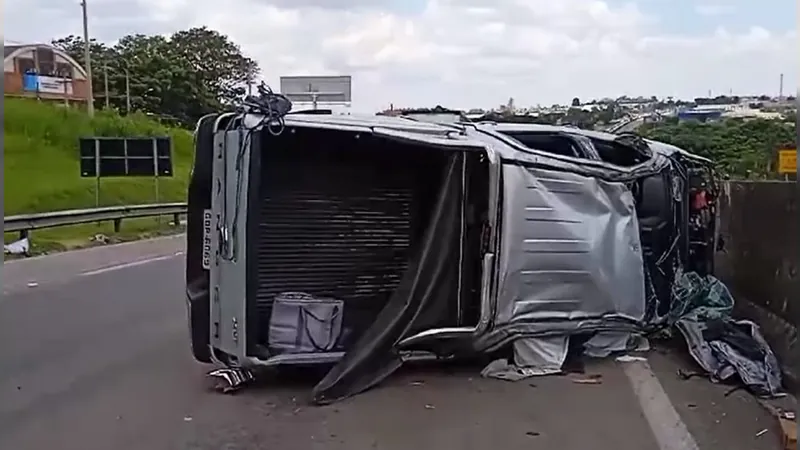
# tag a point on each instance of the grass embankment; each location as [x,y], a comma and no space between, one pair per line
[41,170]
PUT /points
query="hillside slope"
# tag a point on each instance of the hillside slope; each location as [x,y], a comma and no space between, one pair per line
[41,171]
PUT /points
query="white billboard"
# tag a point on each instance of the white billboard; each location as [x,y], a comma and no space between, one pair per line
[318,89]
[47,85]
[53,85]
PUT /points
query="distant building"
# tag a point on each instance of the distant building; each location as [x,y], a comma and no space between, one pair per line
[703,113]
[42,71]
[700,116]
[438,114]
[707,113]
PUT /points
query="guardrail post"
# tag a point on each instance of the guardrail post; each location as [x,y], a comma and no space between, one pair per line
[176,219]
[117,224]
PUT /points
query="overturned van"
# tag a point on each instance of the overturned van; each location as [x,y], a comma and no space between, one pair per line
[362,242]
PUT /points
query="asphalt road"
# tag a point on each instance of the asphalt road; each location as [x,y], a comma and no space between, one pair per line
[94,355]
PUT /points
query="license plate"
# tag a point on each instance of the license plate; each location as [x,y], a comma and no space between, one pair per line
[207,239]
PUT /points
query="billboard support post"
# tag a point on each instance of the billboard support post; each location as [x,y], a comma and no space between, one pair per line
[96,173]
[155,177]
[316,90]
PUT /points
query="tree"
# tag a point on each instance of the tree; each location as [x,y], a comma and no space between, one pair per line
[181,77]
[225,70]
[576,101]
[738,147]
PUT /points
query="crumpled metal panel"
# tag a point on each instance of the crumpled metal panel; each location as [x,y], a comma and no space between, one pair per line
[570,248]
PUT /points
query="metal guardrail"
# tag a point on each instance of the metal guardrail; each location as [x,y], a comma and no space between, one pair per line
[24,223]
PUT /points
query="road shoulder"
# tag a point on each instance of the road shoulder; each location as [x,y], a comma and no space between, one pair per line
[717,415]
[59,267]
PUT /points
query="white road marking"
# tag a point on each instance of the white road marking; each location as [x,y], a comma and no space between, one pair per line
[127,265]
[668,428]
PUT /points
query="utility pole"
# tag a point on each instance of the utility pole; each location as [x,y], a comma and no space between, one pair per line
[88,63]
[105,85]
[127,91]
[313,93]
[64,85]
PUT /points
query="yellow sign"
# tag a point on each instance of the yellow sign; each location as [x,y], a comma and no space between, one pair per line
[787,160]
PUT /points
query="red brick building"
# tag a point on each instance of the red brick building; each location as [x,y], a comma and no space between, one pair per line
[42,71]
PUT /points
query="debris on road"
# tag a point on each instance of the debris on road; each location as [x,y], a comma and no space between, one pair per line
[100,238]
[20,247]
[590,379]
[789,432]
[762,432]
[724,347]
[787,422]
[587,381]
[630,358]
[232,379]
[502,369]
[685,374]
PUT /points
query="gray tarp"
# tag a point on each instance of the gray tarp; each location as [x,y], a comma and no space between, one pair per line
[701,311]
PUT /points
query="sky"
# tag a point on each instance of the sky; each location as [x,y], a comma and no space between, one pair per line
[471,53]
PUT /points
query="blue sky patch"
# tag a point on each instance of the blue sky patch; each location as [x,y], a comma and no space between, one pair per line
[694,17]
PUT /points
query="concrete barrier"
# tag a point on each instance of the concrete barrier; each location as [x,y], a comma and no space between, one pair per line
[760,262]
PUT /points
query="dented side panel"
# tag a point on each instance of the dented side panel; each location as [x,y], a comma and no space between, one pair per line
[570,249]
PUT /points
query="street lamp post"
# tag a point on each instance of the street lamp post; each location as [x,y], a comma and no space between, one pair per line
[88,63]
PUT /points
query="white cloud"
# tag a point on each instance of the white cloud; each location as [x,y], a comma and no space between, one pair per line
[459,53]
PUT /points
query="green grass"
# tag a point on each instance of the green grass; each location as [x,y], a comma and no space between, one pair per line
[41,171]
[53,240]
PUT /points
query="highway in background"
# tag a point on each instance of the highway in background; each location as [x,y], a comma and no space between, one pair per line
[94,356]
